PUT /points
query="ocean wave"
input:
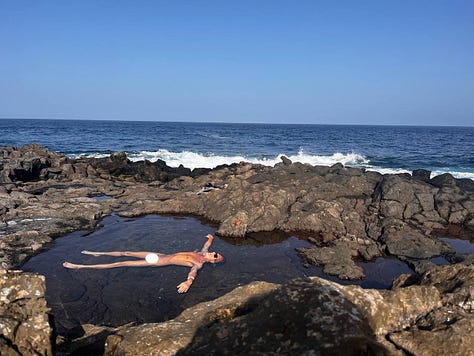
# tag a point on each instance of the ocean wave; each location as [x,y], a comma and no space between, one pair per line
[455,174]
[188,159]
[198,160]
[90,155]
[194,160]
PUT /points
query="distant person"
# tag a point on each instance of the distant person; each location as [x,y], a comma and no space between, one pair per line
[195,260]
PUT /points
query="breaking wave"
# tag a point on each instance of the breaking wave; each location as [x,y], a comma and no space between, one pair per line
[198,160]
[194,160]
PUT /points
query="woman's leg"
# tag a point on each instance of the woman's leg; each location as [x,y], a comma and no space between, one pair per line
[109,265]
[140,254]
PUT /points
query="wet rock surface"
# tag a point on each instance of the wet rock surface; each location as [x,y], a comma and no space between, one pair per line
[24,325]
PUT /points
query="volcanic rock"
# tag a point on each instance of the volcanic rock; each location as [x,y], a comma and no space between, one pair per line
[371,213]
[24,325]
[422,314]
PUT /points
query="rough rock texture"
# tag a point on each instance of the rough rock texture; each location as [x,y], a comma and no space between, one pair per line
[348,211]
[168,337]
[302,316]
[337,260]
[448,329]
[423,314]
[86,339]
[24,326]
[413,244]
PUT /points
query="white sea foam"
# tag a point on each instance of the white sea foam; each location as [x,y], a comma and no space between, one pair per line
[454,174]
[194,160]
[186,158]
[91,155]
[386,170]
[197,160]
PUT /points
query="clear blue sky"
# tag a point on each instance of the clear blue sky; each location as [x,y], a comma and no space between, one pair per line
[336,62]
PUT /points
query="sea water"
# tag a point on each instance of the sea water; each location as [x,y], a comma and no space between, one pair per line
[386,149]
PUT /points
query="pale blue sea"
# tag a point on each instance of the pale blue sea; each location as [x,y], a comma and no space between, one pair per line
[387,149]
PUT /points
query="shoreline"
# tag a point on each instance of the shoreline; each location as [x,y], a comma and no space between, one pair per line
[360,213]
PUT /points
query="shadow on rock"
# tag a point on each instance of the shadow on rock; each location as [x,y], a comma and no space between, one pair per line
[299,317]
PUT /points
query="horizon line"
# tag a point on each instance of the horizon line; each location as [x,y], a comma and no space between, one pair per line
[231,122]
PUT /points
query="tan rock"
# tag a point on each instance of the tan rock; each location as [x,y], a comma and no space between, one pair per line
[168,337]
[24,321]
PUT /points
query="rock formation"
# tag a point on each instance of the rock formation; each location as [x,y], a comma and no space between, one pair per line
[346,213]
[24,325]
[423,314]
[349,212]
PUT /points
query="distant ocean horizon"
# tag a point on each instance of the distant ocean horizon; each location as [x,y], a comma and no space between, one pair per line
[385,149]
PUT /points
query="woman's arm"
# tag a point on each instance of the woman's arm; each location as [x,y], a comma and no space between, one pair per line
[184,286]
[208,243]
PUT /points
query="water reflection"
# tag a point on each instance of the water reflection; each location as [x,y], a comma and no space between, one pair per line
[101,197]
[259,239]
[459,245]
[381,272]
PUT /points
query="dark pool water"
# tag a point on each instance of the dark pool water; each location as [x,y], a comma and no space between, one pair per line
[459,245]
[148,294]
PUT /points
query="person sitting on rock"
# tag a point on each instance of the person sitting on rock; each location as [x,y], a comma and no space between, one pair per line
[195,260]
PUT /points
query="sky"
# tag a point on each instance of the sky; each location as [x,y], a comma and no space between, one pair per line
[402,62]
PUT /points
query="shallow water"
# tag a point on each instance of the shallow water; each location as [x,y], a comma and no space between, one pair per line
[459,245]
[121,295]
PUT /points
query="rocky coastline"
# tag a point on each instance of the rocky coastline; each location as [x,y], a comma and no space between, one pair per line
[348,214]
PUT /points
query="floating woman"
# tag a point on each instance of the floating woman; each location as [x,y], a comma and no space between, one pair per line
[195,260]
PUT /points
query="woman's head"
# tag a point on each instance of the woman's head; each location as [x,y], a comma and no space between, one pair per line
[214,257]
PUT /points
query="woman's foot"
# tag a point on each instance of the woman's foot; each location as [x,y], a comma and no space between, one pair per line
[85,252]
[71,265]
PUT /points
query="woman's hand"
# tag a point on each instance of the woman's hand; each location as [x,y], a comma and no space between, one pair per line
[210,237]
[184,286]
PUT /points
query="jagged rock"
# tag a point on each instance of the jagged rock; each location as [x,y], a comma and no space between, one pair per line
[302,317]
[413,244]
[117,164]
[455,283]
[448,329]
[390,310]
[331,203]
[24,326]
[234,226]
[455,339]
[443,180]
[421,174]
[464,258]
[286,161]
[337,260]
[168,337]
[16,247]
[279,321]
[86,339]
[316,316]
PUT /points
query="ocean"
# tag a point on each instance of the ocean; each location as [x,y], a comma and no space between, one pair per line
[386,149]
